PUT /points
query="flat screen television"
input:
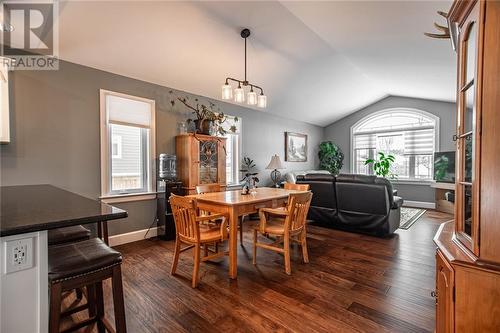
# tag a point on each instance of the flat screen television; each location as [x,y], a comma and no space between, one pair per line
[444,167]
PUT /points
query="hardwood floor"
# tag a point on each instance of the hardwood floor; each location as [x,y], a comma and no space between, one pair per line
[353,283]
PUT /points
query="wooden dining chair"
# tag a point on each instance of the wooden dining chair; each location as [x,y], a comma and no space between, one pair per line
[208,188]
[188,231]
[297,187]
[288,225]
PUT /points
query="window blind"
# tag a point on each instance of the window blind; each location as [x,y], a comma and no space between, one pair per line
[365,141]
[416,142]
[130,112]
[419,142]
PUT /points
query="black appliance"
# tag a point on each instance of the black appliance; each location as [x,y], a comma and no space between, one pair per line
[165,219]
[168,180]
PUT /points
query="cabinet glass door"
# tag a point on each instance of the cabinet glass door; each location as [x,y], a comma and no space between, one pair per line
[208,161]
[467,136]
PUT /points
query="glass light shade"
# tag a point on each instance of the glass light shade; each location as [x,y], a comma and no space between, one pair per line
[239,95]
[262,101]
[227,91]
[252,98]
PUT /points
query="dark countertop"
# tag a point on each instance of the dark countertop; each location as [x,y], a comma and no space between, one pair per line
[30,208]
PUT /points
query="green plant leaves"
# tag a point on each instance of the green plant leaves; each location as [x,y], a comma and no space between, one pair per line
[331,157]
[382,166]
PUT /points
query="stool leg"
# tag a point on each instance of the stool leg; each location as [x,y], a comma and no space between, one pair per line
[55,307]
[91,300]
[100,307]
[79,294]
[118,300]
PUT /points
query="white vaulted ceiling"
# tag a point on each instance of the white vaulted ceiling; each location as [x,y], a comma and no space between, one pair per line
[317,61]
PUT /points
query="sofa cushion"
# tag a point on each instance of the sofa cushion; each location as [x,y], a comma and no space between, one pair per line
[368,179]
[323,189]
[362,198]
[354,178]
[291,177]
[316,177]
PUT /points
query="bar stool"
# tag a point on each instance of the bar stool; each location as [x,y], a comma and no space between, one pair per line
[71,234]
[66,235]
[86,264]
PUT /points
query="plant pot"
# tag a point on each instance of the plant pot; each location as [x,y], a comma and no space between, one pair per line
[203,126]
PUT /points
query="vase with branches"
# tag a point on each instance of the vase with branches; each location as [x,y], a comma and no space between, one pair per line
[382,165]
[206,116]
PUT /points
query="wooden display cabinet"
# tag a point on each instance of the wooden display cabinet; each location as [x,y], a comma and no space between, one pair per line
[201,159]
[468,256]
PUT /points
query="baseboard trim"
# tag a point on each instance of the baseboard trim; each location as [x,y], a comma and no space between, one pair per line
[419,204]
[132,236]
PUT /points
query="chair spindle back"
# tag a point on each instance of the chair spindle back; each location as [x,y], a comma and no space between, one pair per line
[297,187]
[208,188]
[184,211]
[298,207]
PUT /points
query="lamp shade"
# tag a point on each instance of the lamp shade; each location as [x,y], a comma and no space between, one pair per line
[227,92]
[239,95]
[262,101]
[275,163]
[252,98]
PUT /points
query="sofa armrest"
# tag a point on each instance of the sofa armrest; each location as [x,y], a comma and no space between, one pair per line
[398,202]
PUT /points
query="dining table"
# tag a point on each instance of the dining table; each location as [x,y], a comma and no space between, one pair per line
[234,204]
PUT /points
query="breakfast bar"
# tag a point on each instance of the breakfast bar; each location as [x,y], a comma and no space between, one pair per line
[27,213]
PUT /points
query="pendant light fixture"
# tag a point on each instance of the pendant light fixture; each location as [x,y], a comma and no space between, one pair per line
[239,93]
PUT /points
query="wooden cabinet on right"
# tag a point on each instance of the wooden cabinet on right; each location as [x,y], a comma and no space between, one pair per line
[468,256]
[444,294]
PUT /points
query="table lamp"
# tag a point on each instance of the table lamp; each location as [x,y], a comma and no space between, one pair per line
[274,165]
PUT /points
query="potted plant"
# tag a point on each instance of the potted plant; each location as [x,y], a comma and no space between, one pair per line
[249,175]
[382,165]
[331,158]
[206,116]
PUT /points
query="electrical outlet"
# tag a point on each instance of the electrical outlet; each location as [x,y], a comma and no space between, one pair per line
[19,255]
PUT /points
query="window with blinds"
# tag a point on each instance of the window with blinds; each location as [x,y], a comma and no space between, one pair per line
[127,144]
[409,135]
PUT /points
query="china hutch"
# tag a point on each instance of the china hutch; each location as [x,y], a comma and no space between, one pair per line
[201,159]
[468,248]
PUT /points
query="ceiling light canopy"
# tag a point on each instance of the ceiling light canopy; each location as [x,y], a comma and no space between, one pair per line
[239,93]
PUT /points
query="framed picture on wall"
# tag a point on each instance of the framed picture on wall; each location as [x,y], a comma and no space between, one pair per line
[295,147]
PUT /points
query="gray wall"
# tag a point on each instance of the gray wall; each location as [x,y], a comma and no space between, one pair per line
[339,132]
[55,133]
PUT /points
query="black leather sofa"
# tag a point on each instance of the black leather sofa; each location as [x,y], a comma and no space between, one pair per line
[358,203]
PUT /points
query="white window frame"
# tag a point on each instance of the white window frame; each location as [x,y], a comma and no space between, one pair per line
[236,157]
[384,111]
[106,155]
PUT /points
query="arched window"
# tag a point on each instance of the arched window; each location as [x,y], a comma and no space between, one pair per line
[410,135]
